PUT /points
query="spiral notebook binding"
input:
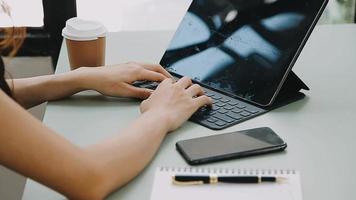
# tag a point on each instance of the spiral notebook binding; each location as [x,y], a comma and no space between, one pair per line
[227,171]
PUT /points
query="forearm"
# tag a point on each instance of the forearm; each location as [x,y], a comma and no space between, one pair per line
[30,92]
[80,173]
[124,156]
[35,151]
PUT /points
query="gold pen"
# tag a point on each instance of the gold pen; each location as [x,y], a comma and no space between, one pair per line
[214,179]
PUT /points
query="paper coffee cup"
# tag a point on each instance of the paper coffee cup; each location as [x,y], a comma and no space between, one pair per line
[86,43]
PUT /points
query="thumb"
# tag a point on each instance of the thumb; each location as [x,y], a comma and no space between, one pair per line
[140,93]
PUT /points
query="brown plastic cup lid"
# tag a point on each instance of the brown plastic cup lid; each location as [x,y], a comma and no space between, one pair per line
[83,30]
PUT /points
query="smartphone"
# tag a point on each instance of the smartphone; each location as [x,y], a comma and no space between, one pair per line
[230,145]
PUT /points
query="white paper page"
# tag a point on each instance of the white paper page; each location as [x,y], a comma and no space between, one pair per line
[163,189]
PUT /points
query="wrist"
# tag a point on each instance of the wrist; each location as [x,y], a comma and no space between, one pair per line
[83,78]
[159,118]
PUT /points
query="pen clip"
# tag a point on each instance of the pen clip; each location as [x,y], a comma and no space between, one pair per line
[281,179]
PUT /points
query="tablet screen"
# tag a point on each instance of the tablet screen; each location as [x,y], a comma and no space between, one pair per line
[241,47]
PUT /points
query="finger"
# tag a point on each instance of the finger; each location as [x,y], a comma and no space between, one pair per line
[202,101]
[167,81]
[195,90]
[157,68]
[184,82]
[148,75]
[140,93]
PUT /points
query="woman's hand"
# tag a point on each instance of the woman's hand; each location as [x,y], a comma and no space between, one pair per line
[116,80]
[175,101]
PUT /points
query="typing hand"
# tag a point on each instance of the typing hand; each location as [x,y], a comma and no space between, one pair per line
[117,80]
[175,101]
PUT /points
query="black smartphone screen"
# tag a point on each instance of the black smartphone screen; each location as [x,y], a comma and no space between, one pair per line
[230,145]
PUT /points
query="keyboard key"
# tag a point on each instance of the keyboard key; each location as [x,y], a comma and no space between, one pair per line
[154,84]
[224,100]
[151,87]
[201,114]
[234,115]
[251,110]
[203,121]
[241,106]
[204,109]
[220,123]
[222,111]
[148,85]
[212,120]
[237,110]
[224,117]
[228,107]
[245,114]
[216,97]
[143,85]
[139,83]
[220,104]
[233,103]
[215,108]
[211,112]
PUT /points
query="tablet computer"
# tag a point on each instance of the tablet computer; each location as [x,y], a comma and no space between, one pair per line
[242,48]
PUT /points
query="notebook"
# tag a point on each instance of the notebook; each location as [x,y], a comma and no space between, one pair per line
[163,189]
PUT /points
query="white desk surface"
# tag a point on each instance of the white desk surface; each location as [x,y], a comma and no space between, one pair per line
[319,129]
